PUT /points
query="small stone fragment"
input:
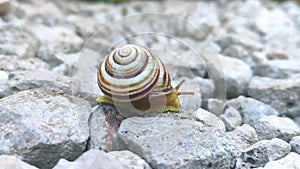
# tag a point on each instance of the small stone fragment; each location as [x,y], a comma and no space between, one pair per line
[12,162]
[231,118]
[295,144]
[291,161]
[214,106]
[250,109]
[264,151]
[273,126]
[243,137]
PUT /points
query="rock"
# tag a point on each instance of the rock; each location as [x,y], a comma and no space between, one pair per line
[40,121]
[207,88]
[12,162]
[237,75]
[251,109]
[13,63]
[4,6]
[23,80]
[214,106]
[291,161]
[295,144]
[209,120]
[231,118]
[104,123]
[282,94]
[264,151]
[17,41]
[130,159]
[3,77]
[165,142]
[280,69]
[243,137]
[93,159]
[59,40]
[273,126]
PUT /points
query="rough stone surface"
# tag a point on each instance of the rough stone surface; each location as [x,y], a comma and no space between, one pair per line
[237,75]
[295,144]
[103,125]
[214,106]
[17,41]
[231,118]
[13,63]
[291,161]
[23,80]
[12,162]
[282,94]
[130,159]
[280,127]
[251,109]
[43,126]
[94,159]
[264,151]
[209,119]
[281,69]
[3,77]
[243,137]
[168,143]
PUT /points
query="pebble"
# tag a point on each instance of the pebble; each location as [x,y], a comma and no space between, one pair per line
[237,75]
[12,162]
[250,109]
[243,137]
[23,80]
[38,121]
[264,151]
[165,142]
[291,161]
[3,77]
[231,118]
[17,41]
[281,94]
[295,144]
[4,6]
[14,63]
[280,69]
[214,106]
[272,126]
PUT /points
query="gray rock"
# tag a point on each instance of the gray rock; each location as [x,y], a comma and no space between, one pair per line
[273,126]
[17,41]
[291,161]
[92,159]
[13,63]
[264,151]
[214,106]
[3,77]
[281,69]
[4,6]
[103,125]
[23,80]
[207,88]
[251,109]
[209,119]
[295,144]
[237,75]
[59,39]
[165,142]
[12,162]
[282,94]
[243,137]
[231,118]
[130,159]
[43,126]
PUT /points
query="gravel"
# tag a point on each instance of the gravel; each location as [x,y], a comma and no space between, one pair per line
[242,66]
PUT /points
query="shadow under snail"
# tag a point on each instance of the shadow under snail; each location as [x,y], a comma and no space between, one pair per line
[131,77]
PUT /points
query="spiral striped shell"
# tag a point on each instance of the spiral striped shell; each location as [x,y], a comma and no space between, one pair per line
[132,72]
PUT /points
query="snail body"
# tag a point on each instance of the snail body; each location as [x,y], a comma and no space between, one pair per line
[131,77]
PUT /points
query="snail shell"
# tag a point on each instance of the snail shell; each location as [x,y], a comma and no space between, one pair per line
[132,72]
[132,75]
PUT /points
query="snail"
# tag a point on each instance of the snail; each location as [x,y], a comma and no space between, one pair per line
[131,77]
